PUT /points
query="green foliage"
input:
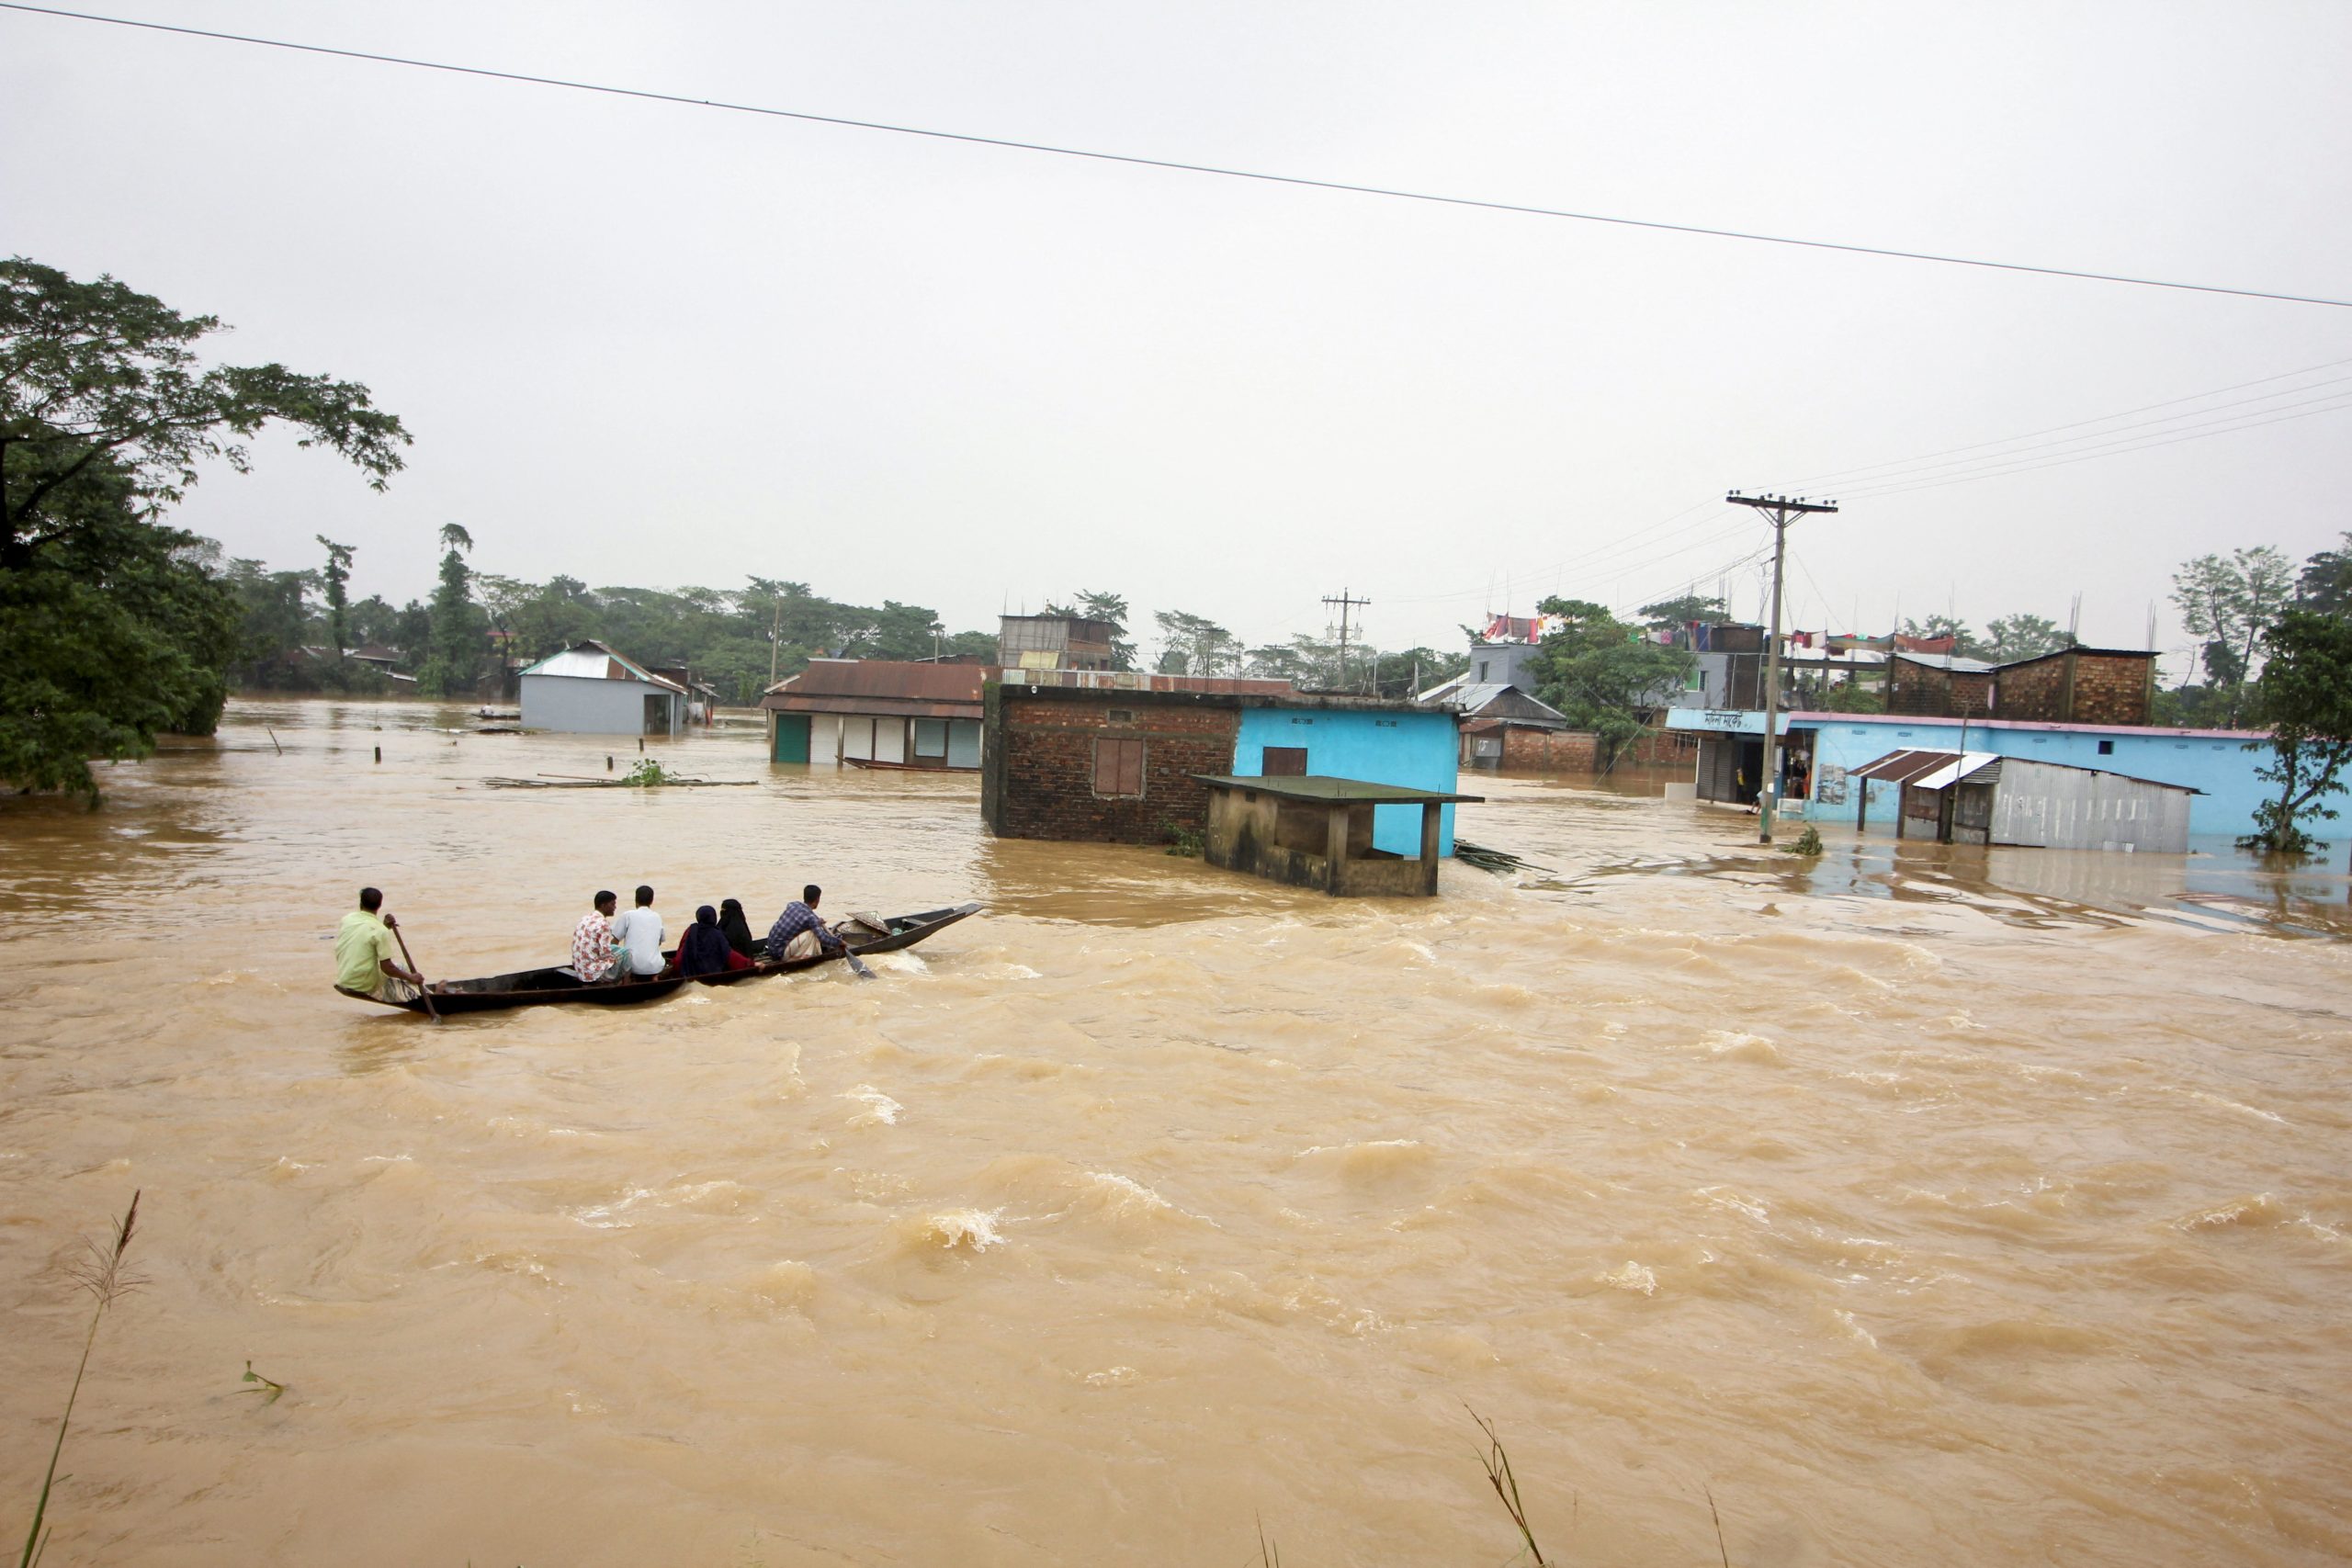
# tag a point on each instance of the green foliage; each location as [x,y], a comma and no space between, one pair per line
[1849,697]
[2326,583]
[1605,675]
[1183,840]
[1195,645]
[2307,699]
[1807,843]
[95,374]
[2011,637]
[649,773]
[1683,610]
[337,573]
[2226,603]
[112,627]
[459,644]
[112,632]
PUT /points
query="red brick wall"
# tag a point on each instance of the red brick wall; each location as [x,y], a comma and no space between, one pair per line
[2035,691]
[1920,690]
[1039,778]
[2110,689]
[1551,750]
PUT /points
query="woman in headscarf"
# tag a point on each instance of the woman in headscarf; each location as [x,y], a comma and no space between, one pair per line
[704,949]
[737,928]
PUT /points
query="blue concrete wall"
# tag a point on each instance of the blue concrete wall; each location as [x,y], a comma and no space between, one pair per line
[1417,751]
[2217,764]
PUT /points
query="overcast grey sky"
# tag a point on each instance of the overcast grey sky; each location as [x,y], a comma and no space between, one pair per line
[655,344]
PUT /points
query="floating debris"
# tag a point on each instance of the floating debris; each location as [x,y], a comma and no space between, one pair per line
[1502,862]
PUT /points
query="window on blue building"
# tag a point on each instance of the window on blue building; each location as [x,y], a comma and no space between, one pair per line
[2107,748]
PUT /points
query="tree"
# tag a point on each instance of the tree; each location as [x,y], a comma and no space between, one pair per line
[2326,583]
[2226,605]
[1604,674]
[337,573]
[1195,645]
[2307,697]
[1683,610]
[106,416]
[453,662]
[98,373]
[115,630]
[2011,637]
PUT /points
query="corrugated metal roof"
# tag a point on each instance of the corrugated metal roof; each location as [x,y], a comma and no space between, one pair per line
[592,660]
[1951,661]
[906,681]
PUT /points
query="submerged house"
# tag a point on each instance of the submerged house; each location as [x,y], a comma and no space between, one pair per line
[1983,797]
[1313,832]
[589,689]
[1129,763]
[878,713]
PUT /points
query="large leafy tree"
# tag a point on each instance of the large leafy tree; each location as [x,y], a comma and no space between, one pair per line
[107,414]
[337,573]
[1604,674]
[114,631]
[2226,603]
[1195,645]
[2327,582]
[2307,698]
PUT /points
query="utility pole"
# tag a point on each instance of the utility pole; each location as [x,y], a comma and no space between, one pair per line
[775,638]
[1344,602]
[1780,511]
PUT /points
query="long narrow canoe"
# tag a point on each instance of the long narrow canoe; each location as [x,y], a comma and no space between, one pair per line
[544,987]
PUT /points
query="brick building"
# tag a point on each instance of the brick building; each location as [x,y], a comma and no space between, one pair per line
[2080,685]
[1940,684]
[1113,764]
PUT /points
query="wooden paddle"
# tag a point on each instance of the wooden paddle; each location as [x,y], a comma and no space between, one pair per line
[422,990]
[856,964]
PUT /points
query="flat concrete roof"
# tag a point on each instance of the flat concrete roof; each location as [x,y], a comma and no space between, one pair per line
[1324,790]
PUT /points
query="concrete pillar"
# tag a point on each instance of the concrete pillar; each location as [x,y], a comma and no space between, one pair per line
[1335,844]
[1433,821]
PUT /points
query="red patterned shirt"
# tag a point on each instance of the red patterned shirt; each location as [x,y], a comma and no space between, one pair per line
[591,947]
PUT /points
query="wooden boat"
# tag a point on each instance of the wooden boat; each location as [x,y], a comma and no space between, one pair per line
[906,767]
[543,987]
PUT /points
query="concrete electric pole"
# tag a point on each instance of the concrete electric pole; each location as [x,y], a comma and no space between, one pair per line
[1344,602]
[1780,511]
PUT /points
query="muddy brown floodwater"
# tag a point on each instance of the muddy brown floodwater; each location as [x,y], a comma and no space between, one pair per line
[1922,1207]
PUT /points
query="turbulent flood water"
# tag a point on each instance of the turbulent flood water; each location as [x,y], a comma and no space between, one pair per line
[1924,1207]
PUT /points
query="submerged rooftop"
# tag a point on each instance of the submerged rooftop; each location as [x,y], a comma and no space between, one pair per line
[1322,789]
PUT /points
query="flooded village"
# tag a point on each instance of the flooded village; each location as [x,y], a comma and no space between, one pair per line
[1013,789]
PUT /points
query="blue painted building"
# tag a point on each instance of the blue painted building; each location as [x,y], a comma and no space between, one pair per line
[1822,748]
[1388,744]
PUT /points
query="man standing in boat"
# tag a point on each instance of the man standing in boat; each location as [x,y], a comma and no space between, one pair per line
[798,933]
[363,956]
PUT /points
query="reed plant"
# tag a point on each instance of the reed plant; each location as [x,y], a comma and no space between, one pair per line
[104,1275]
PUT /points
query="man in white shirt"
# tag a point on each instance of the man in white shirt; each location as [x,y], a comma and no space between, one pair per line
[640,933]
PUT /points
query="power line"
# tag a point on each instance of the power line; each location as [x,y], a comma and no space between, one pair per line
[1847,474]
[2018,445]
[2335,405]
[1304,182]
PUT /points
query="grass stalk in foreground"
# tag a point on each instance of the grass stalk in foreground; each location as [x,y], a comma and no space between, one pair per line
[1504,1484]
[105,1279]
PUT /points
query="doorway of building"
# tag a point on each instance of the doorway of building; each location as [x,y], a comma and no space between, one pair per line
[791,742]
[657,715]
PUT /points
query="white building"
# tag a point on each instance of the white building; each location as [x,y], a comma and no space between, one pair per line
[588,689]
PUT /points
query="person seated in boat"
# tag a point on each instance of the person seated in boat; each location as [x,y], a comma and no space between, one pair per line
[640,933]
[363,954]
[705,950]
[592,954]
[737,928]
[798,933]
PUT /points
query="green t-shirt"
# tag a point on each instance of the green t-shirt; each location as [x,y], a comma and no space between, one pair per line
[361,945]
